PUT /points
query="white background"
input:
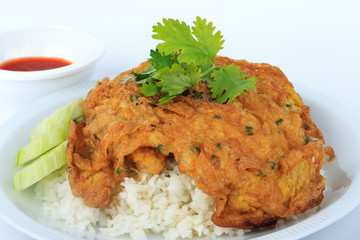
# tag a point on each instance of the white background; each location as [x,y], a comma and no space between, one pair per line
[315,43]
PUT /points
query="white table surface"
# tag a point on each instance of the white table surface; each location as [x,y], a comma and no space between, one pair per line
[315,43]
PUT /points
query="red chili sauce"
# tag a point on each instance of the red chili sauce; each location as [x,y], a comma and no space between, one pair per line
[34,63]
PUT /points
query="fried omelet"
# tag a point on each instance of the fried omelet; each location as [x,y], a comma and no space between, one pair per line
[259,156]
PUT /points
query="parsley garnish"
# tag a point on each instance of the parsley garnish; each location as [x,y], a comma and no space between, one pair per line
[218,145]
[186,56]
[307,139]
[272,164]
[175,80]
[161,147]
[278,122]
[119,170]
[196,46]
[249,130]
[196,148]
[229,82]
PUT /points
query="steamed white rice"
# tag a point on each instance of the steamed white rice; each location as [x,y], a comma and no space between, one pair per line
[168,204]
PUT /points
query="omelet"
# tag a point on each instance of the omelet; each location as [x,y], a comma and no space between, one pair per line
[259,156]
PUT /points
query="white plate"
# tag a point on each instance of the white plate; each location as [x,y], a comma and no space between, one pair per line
[339,126]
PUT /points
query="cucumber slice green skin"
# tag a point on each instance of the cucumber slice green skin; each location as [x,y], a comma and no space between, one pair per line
[43,166]
[42,144]
[47,149]
[58,118]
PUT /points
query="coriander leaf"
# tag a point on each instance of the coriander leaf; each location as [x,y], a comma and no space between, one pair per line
[176,80]
[124,80]
[149,89]
[141,77]
[165,99]
[148,73]
[160,61]
[212,43]
[142,81]
[229,82]
[178,36]
[206,72]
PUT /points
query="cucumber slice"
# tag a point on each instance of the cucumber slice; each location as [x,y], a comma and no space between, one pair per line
[41,167]
[58,118]
[42,144]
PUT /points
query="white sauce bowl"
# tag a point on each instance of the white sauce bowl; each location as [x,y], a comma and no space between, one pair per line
[18,88]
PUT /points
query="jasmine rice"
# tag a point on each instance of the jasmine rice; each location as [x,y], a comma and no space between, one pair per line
[168,204]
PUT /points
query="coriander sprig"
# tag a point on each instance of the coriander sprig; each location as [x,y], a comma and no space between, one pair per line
[184,58]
